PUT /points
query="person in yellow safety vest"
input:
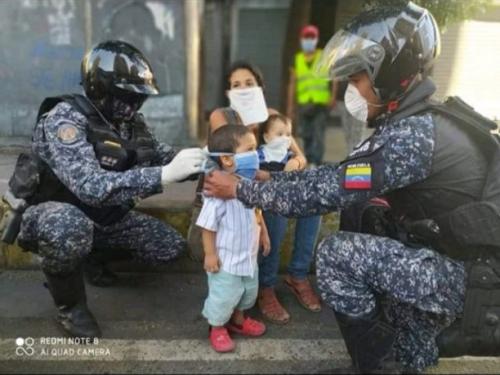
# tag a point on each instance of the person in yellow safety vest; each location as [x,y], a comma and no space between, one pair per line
[312,94]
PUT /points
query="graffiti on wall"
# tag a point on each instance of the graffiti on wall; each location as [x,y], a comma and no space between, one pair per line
[59,22]
[151,26]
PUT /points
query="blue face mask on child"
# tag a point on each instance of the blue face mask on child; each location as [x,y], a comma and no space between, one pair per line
[246,163]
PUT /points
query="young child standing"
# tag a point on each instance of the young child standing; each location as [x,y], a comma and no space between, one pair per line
[230,234]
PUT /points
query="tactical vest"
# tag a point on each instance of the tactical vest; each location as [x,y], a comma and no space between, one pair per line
[309,87]
[456,210]
[112,152]
[462,193]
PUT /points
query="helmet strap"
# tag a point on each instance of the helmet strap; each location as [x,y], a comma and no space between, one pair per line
[100,113]
[406,84]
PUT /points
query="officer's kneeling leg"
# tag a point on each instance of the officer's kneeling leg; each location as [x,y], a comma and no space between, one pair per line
[62,235]
[147,238]
[368,336]
[355,269]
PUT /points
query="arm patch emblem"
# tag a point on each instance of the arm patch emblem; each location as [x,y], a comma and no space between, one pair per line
[68,134]
[358,176]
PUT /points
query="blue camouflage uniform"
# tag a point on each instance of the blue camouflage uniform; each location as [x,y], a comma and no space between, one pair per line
[422,291]
[60,232]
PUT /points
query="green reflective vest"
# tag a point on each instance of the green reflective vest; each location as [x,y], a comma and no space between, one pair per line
[309,87]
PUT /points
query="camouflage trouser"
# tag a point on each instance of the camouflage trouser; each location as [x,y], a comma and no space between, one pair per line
[63,236]
[422,291]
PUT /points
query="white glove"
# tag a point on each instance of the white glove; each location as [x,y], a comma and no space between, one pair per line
[187,162]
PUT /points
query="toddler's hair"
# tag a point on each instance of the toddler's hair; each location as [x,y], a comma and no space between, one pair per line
[226,138]
[264,127]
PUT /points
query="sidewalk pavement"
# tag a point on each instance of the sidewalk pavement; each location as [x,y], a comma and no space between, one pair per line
[152,323]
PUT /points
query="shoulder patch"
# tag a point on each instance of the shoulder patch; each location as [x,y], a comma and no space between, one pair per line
[358,176]
[68,134]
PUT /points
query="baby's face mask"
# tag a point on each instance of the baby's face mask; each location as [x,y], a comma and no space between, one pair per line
[281,142]
[277,149]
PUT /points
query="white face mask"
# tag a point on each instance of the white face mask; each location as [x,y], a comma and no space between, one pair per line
[250,104]
[355,103]
[276,149]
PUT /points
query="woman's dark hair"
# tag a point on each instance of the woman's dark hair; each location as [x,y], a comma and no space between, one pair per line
[247,66]
[226,138]
[264,127]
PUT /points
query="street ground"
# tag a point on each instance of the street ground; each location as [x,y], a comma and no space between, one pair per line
[151,323]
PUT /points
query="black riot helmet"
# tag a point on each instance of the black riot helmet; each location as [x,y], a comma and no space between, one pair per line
[117,78]
[394,45]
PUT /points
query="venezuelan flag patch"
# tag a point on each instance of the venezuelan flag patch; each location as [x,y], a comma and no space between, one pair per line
[358,176]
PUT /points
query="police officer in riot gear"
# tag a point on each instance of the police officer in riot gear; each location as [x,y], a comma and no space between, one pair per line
[93,158]
[437,166]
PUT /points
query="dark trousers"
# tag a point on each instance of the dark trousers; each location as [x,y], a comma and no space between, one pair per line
[312,122]
[306,233]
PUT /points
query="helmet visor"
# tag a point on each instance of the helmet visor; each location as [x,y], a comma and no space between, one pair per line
[125,104]
[146,89]
[347,54]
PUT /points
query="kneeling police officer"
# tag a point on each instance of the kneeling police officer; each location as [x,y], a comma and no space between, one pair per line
[93,157]
[438,166]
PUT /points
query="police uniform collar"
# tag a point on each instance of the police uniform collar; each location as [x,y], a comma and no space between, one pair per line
[420,92]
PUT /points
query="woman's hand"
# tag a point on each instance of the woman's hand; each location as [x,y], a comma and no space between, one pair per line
[292,165]
[221,185]
[299,155]
[211,263]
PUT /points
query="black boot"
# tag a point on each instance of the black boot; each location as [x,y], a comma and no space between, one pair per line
[456,341]
[96,266]
[98,273]
[369,341]
[451,342]
[68,292]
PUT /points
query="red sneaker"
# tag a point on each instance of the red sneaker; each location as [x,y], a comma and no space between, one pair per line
[250,327]
[220,340]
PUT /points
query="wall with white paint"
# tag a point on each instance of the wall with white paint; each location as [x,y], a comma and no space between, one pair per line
[468,65]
